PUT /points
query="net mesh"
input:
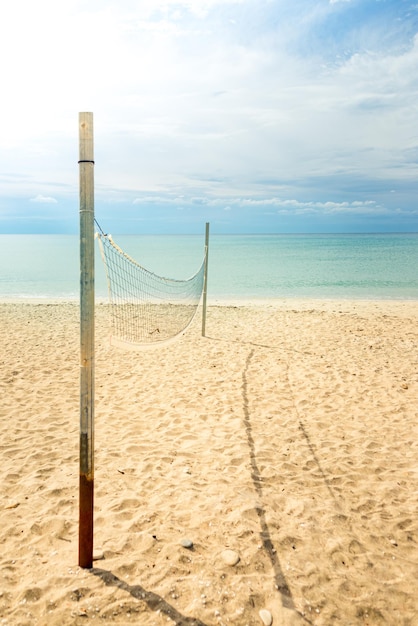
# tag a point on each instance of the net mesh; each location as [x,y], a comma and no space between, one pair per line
[147,309]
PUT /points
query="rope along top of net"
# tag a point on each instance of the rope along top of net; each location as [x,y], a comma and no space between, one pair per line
[147,309]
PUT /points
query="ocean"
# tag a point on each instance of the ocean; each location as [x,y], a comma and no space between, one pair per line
[361,266]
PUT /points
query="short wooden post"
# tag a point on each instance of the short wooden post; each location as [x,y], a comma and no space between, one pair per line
[205,280]
[86,163]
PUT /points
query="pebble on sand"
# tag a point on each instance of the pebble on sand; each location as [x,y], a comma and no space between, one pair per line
[187,543]
[230,557]
[266,617]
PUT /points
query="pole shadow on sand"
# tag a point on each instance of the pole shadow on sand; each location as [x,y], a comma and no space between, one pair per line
[151,599]
[279,577]
[327,482]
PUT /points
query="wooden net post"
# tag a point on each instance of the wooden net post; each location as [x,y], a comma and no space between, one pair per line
[86,163]
[205,280]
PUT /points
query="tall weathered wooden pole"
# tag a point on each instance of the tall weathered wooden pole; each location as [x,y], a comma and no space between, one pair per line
[86,163]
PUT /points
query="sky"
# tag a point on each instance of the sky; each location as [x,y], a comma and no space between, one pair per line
[258,116]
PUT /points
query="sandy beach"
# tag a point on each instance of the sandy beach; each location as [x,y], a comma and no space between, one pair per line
[265,473]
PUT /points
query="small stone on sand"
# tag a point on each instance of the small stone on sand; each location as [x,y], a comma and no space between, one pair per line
[266,617]
[230,557]
[187,543]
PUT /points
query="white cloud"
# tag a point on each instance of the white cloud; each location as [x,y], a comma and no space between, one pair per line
[328,208]
[44,199]
[282,205]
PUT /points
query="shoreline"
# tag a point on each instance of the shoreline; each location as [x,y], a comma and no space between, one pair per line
[213,301]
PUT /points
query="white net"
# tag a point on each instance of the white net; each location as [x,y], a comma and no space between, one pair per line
[147,309]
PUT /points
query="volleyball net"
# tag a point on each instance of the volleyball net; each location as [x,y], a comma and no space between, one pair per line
[147,309]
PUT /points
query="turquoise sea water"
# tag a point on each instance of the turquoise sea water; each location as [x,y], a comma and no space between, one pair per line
[378,266]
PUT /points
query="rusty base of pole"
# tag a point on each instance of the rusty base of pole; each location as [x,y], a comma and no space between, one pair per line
[85,545]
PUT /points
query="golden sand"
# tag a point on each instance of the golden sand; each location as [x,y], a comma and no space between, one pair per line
[286,438]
